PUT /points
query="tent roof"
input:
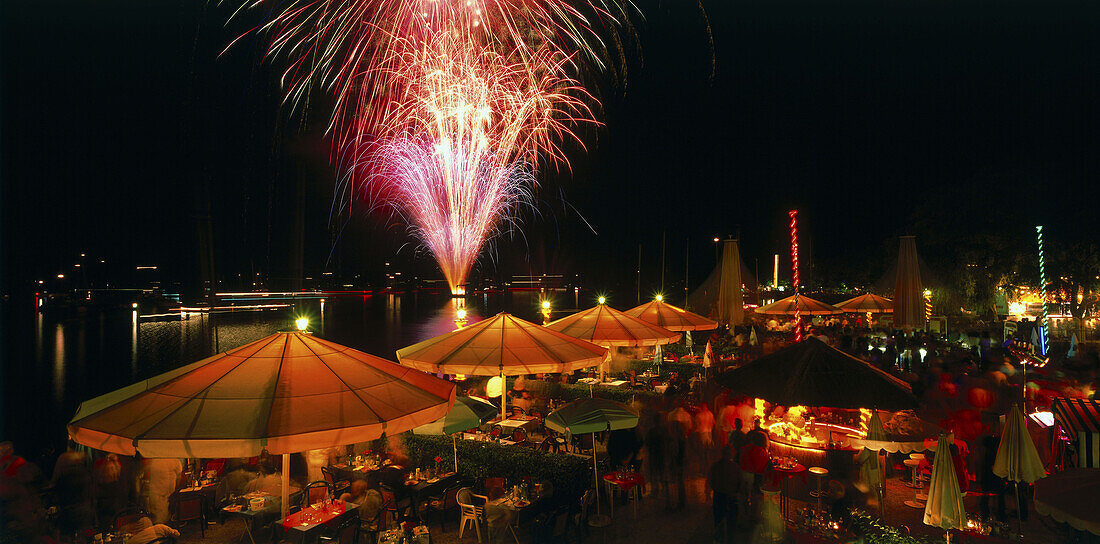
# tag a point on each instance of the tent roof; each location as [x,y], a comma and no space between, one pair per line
[286,393]
[665,315]
[607,326]
[805,304]
[867,303]
[502,343]
[812,373]
[704,299]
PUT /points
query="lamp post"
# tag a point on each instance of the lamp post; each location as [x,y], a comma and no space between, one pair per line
[546,312]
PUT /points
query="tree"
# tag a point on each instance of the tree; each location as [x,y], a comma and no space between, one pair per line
[1075,271]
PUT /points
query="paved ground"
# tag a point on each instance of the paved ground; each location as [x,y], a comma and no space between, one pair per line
[694,523]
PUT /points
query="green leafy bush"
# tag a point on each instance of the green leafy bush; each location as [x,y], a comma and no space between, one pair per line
[874,531]
[624,395]
[570,475]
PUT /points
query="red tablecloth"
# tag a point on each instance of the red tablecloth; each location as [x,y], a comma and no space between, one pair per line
[625,480]
[308,516]
[776,474]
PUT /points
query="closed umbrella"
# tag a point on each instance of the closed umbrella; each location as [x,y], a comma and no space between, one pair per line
[909,311]
[944,508]
[592,415]
[1070,497]
[503,345]
[467,413]
[731,301]
[286,393]
[1017,459]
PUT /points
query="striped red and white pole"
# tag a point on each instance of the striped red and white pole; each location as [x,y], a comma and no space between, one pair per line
[793,214]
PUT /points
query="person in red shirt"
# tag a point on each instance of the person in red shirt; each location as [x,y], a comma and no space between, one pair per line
[960,468]
[754,463]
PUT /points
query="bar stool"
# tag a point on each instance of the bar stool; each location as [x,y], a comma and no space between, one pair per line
[915,503]
[821,473]
[918,476]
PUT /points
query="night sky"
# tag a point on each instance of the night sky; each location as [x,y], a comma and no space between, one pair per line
[120,117]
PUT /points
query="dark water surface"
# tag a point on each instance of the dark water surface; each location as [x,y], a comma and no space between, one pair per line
[53,363]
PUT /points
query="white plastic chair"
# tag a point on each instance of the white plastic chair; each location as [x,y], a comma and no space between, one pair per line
[469,512]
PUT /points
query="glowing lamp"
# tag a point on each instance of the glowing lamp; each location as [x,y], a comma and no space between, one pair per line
[461,314]
[659,298]
[134,305]
[1044,419]
[302,323]
[602,300]
[546,305]
[715,238]
[494,387]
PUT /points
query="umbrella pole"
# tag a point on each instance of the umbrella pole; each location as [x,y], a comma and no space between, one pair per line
[503,394]
[1019,528]
[599,520]
[454,442]
[284,481]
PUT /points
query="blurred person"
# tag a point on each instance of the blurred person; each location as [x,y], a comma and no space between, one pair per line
[315,459]
[356,491]
[703,432]
[724,480]
[162,478]
[269,481]
[993,487]
[72,485]
[754,464]
[656,441]
[371,503]
[677,453]
[737,438]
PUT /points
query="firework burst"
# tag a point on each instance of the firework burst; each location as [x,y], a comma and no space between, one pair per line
[444,109]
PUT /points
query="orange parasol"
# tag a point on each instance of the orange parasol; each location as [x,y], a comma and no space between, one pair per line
[867,303]
[670,317]
[804,304]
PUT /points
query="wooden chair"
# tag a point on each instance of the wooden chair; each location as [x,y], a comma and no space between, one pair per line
[397,509]
[339,487]
[540,422]
[189,507]
[442,503]
[547,445]
[519,436]
[316,492]
[517,411]
[370,527]
[496,432]
[470,512]
[494,487]
[343,533]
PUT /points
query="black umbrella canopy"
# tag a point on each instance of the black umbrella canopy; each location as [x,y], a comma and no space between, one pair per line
[812,373]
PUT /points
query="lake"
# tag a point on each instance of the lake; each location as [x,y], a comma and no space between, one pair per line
[53,363]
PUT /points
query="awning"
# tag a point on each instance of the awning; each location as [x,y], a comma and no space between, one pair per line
[1077,415]
[1080,419]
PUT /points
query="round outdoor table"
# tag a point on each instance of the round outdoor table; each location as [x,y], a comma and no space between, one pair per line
[783,476]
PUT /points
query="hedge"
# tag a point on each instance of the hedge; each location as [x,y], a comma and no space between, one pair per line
[570,475]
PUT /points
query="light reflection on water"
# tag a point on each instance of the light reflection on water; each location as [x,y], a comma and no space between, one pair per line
[124,349]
